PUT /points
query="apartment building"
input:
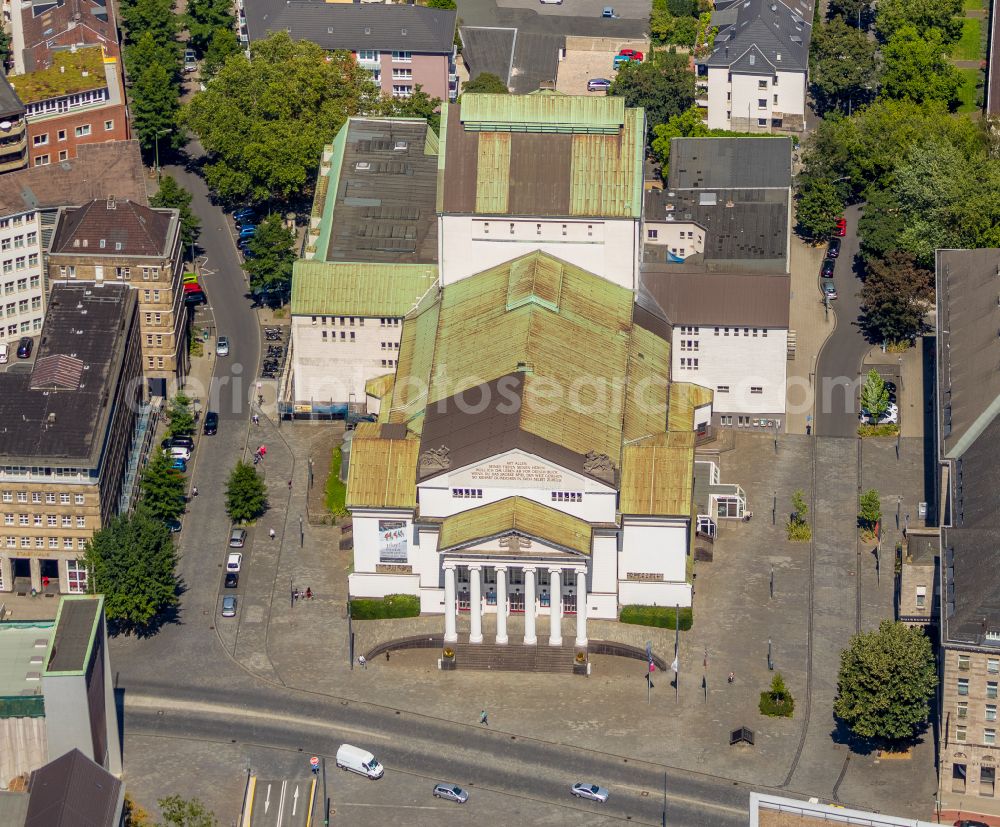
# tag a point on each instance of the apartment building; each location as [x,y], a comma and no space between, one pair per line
[76,98]
[545,171]
[49,26]
[69,432]
[403,46]
[110,240]
[371,257]
[756,77]
[29,205]
[716,246]
[968,436]
[13,129]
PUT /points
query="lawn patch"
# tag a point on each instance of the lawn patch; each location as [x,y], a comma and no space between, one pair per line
[336,491]
[972,5]
[968,92]
[392,605]
[661,616]
[970,44]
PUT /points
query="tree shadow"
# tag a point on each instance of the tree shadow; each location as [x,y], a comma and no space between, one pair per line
[171,615]
[859,745]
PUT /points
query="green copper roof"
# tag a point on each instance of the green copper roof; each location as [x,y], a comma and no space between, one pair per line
[322,288]
[543,112]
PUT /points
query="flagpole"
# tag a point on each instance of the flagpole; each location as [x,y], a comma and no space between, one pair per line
[677,652]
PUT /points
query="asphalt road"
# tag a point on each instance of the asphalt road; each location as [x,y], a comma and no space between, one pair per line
[839,365]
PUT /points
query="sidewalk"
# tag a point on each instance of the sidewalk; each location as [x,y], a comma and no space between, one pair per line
[811,325]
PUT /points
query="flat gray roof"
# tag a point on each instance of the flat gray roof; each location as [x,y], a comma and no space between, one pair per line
[74,634]
[55,411]
[22,656]
[385,208]
[734,163]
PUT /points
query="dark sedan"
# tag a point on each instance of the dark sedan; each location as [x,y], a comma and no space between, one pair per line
[826,271]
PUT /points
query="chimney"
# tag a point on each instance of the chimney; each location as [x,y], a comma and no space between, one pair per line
[52,417]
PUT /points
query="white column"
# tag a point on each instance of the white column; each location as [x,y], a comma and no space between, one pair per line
[529,608]
[555,607]
[581,607]
[475,605]
[501,604]
[450,630]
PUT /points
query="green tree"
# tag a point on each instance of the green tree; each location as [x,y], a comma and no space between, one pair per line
[264,121]
[777,702]
[797,526]
[874,397]
[418,105]
[222,45]
[163,488]
[180,416]
[246,494]
[850,10]
[273,254]
[173,196]
[132,563]
[5,49]
[924,15]
[881,225]
[917,67]
[895,297]
[667,28]
[178,812]
[486,82]
[663,85]
[155,17]
[841,66]
[147,50]
[870,507]
[154,109]
[886,680]
[203,18]
[817,206]
[441,4]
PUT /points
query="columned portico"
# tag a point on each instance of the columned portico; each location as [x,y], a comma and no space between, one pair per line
[475,605]
[555,611]
[581,607]
[502,604]
[450,610]
[530,638]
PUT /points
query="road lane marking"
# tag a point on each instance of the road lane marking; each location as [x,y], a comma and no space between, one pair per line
[390,806]
[683,799]
[147,702]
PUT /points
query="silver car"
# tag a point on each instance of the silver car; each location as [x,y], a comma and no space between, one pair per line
[222,346]
[229,606]
[451,792]
[590,791]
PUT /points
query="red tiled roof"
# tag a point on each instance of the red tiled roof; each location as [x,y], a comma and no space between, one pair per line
[112,227]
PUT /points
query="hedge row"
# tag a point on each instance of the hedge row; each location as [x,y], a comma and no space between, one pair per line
[392,605]
[662,616]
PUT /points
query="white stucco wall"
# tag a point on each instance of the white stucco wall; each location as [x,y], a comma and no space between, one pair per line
[654,547]
[468,245]
[740,97]
[682,238]
[22,283]
[740,362]
[329,366]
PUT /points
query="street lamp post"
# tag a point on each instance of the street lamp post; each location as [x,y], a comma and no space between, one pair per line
[159,132]
[302,534]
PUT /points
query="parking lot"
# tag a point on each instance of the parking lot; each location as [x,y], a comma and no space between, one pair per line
[588,58]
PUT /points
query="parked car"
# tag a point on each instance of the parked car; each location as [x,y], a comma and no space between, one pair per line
[222,346]
[360,761]
[826,271]
[248,230]
[631,54]
[180,452]
[608,11]
[229,606]
[829,289]
[173,525]
[24,347]
[840,227]
[234,561]
[590,791]
[190,278]
[619,61]
[182,441]
[890,417]
[244,213]
[237,538]
[968,822]
[598,85]
[551,2]
[232,579]
[179,465]
[833,250]
[211,423]
[4,353]
[450,791]
[193,297]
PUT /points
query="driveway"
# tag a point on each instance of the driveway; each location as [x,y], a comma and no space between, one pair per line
[569,18]
[839,364]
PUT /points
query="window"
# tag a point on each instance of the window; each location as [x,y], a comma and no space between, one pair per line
[960,734]
[367,54]
[53,542]
[69,271]
[82,131]
[11,542]
[25,542]
[922,597]
[991,712]
[567,496]
[8,519]
[123,273]
[67,521]
[762,84]
[64,498]
[36,496]
[756,389]
[81,522]
[992,665]
[7,497]
[50,499]
[20,263]
[22,519]
[401,57]
[67,542]
[467,493]
[775,100]
[989,737]
[652,234]
[22,496]
[78,499]
[762,103]
[963,709]
[761,121]
[722,388]
[401,91]
[37,520]
[32,259]
[41,140]
[53,520]
[63,154]
[402,74]
[62,134]
[42,161]
[991,689]
[109,125]
[963,686]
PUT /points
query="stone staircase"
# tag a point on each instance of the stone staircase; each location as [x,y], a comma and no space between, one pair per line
[515,657]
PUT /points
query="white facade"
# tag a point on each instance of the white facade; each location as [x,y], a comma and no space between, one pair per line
[643,561]
[746,102]
[609,248]
[334,356]
[744,366]
[22,277]
[682,238]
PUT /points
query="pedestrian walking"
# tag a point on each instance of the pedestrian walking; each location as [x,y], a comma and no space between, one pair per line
[271,533]
[483,719]
[386,655]
[363,662]
[309,593]
[194,491]
[256,419]
[732,677]
[289,486]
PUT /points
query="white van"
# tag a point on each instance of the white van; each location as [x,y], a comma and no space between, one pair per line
[359,760]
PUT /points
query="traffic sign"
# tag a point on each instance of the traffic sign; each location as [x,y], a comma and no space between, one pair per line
[314,763]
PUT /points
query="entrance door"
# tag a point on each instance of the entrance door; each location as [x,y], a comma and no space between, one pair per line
[987,781]
[958,778]
[50,575]
[515,592]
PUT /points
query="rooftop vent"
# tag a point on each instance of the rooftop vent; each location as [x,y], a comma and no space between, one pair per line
[111,202]
[52,417]
[329,29]
[368,29]
[362,166]
[752,59]
[778,56]
[403,32]
[401,146]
